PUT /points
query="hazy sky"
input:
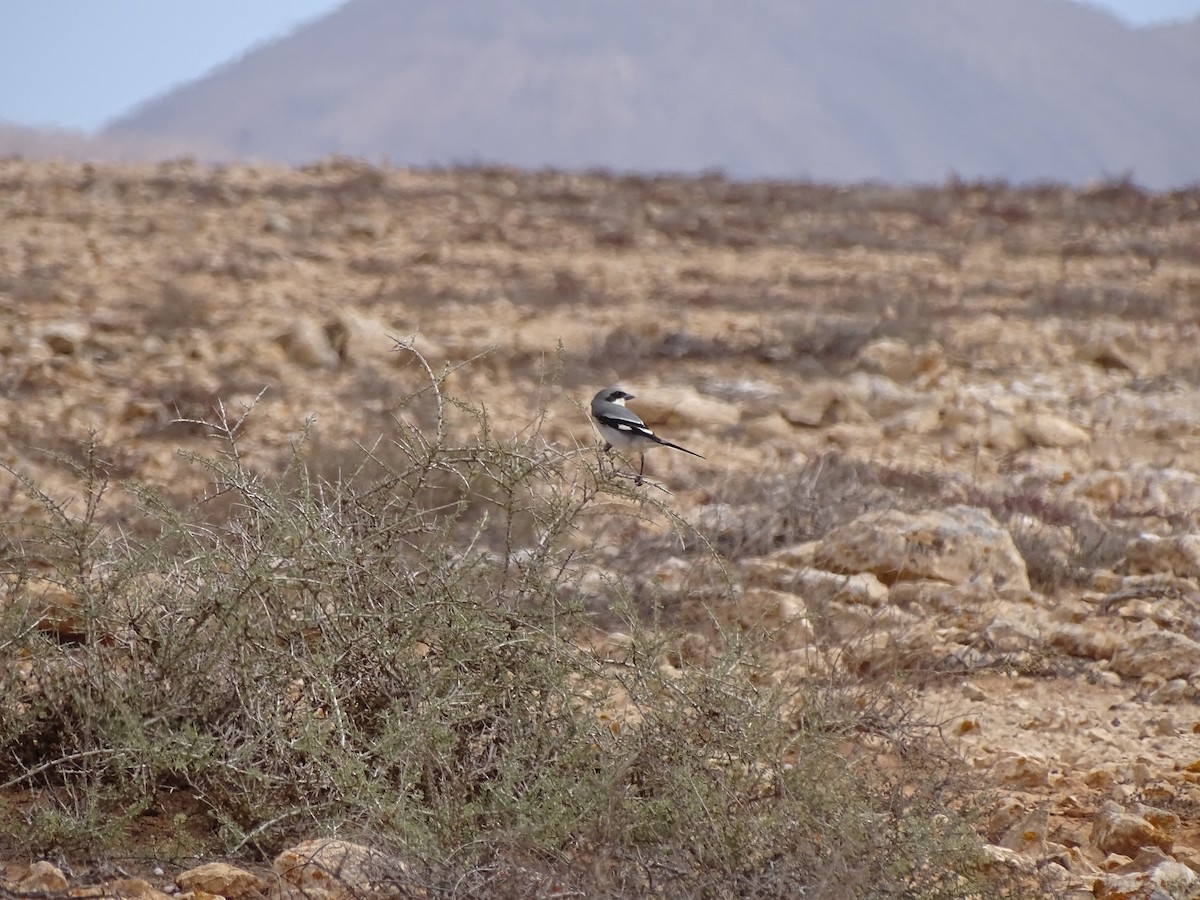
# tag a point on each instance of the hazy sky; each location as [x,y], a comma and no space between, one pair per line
[80,63]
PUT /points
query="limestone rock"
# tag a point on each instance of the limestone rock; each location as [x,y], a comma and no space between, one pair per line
[819,586]
[1177,880]
[1022,770]
[1152,651]
[1085,640]
[1177,554]
[900,361]
[42,877]
[1115,830]
[781,616]
[1045,430]
[308,344]
[135,889]
[683,408]
[956,545]
[58,609]
[817,405]
[223,879]
[65,338]
[1029,834]
[358,338]
[328,869]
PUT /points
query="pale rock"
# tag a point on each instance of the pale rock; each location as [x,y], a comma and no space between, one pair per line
[879,396]
[1007,812]
[1177,880]
[901,361]
[854,436]
[1021,770]
[821,587]
[797,555]
[1115,351]
[1086,641]
[1046,430]
[1029,834]
[1152,651]
[57,609]
[767,573]
[1116,862]
[923,419]
[780,616]
[138,889]
[1114,830]
[329,869]
[307,344]
[1005,635]
[223,879]
[936,595]
[682,408]
[359,338]
[42,877]
[1169,693]
[957,545]
[692,648]
[65,338]
[1178,555]
[1105,487]
[1131,886]
[771,426]
[1000,433]
[974,692]
[816,405]
[1007,857]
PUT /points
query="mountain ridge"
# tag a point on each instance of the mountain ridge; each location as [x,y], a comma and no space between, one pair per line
[1026,90]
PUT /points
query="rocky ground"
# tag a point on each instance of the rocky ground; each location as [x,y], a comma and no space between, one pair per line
[994,394]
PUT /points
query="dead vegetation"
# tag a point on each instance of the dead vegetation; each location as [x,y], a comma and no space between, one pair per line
[859,349]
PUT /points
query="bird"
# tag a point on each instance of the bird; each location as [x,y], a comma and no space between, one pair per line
[622,429]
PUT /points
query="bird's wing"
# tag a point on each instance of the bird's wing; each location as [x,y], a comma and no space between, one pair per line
[621,419]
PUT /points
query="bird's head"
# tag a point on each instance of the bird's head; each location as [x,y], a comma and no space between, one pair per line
[615,395]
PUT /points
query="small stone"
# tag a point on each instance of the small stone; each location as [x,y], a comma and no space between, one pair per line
[65,338]
[1170,693]
[1024,770]
[308,344]
[974,692]
[336,870]
[134,889]
[781,616]
[42,877]
[1045,430]
[1176,879]
[1116,831]
[221,878]
[1028,834]
[1177,555]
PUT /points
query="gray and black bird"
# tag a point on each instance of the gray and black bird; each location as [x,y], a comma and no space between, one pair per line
[622,429]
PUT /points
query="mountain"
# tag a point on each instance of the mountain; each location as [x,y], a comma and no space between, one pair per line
[827,89]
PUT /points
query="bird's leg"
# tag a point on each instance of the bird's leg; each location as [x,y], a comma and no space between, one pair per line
[641,471]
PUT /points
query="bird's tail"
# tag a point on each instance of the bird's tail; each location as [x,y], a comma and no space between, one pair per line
[677,447]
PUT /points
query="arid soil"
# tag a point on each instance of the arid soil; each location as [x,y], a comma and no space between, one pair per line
[1027,357]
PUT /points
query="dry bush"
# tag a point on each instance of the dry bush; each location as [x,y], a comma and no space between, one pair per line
[393,654]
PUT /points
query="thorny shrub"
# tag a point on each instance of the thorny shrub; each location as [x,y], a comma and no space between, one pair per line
[397,654]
